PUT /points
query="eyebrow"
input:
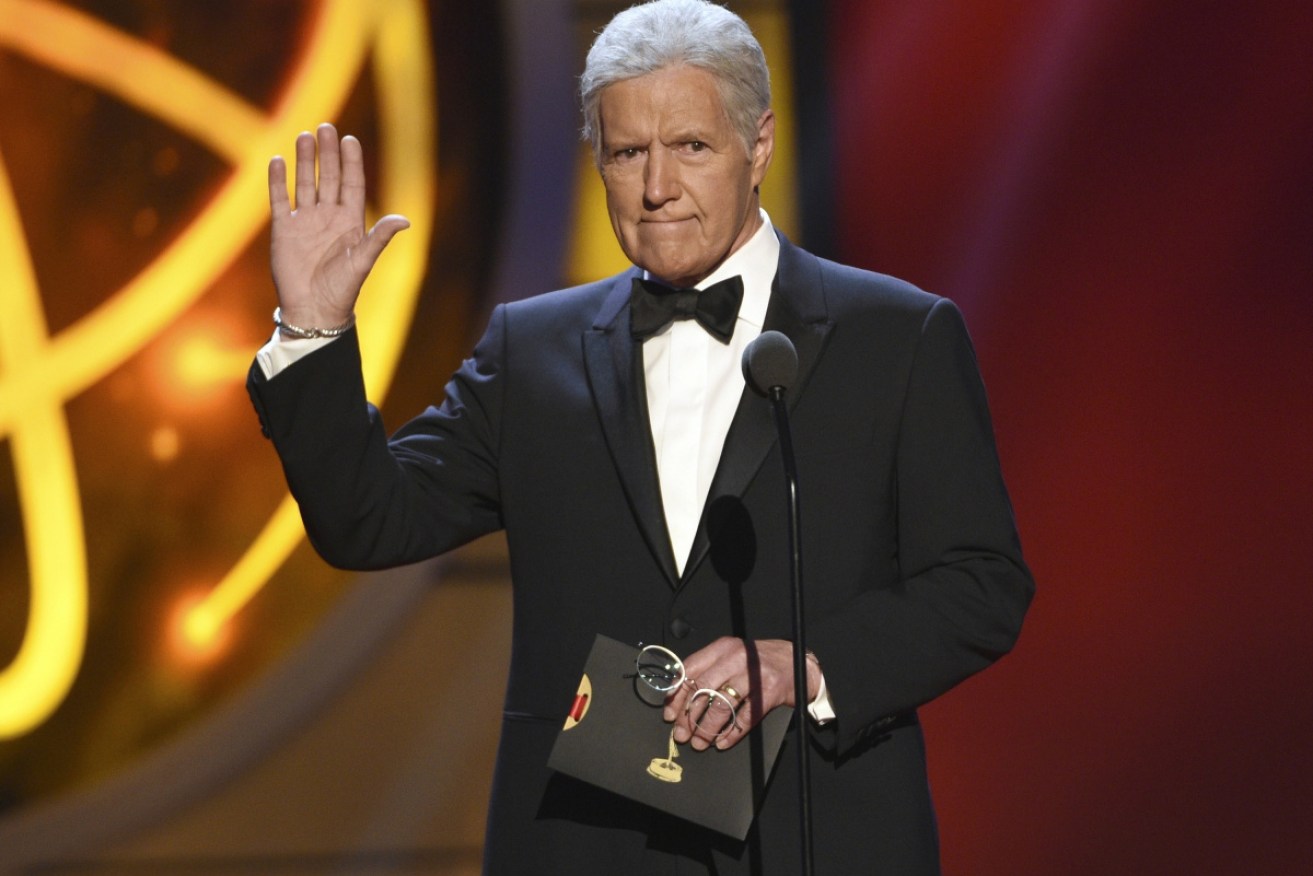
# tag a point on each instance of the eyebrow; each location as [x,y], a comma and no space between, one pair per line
[684,135]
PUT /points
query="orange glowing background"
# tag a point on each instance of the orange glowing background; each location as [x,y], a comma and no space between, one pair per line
[142,515]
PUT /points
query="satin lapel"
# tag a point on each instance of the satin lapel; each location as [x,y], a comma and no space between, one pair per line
[615,376]
[797,309]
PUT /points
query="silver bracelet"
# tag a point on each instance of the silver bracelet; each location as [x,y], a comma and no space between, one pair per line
[310,333]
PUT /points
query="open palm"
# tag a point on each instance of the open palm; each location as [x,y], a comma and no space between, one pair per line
[320,253]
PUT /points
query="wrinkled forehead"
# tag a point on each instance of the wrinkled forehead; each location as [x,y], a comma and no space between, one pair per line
[671,102]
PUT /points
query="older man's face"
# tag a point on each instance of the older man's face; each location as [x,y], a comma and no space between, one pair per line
[679,180]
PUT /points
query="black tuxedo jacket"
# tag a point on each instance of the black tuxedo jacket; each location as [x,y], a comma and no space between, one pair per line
[913,572]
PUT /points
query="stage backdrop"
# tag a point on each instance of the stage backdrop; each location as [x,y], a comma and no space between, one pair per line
[151,562]
[1116,193]
[1120,197]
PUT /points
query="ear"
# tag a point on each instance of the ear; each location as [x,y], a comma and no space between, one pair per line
[764,148]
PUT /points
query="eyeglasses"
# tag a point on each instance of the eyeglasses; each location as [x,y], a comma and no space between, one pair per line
[660,668]
[660,671]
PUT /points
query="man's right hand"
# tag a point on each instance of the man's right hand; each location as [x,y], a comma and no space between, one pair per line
[320,253]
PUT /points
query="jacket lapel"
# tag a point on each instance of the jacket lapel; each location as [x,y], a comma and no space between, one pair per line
[797,309]
[615,375]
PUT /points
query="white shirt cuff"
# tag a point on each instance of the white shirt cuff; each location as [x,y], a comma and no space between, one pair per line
[820,709]
[280,353]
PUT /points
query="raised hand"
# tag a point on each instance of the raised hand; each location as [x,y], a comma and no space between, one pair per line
[320,253]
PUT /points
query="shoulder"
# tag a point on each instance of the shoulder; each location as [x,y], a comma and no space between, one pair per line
[570,308]
[845,292]
[552,323]
[848,287]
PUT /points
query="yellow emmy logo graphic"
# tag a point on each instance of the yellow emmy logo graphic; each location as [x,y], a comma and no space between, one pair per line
[665,768]
[41,372]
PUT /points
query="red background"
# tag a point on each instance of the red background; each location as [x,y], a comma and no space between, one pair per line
[1118,196]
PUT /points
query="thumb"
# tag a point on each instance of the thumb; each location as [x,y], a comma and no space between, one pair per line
[381,234]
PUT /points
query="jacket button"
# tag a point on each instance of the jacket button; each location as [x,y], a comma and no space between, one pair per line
[679,628]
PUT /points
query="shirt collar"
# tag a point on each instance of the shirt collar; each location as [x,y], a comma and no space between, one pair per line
[756,262]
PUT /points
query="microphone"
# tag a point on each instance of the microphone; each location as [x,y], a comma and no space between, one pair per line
[769,363]
[770,366]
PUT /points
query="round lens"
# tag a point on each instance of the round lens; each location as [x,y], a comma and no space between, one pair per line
[712,712]
[659,668]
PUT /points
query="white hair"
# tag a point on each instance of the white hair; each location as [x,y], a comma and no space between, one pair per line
[668,33]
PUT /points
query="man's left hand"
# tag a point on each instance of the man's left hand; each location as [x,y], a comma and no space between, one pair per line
[757,676]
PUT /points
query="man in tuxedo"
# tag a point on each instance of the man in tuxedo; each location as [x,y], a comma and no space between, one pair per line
[607,430]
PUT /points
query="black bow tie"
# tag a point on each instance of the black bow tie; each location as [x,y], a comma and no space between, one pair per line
[653,306]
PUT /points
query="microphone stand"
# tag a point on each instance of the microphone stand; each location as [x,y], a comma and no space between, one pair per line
[799,644]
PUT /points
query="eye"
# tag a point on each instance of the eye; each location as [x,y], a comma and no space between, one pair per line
[627,154]
[695,146]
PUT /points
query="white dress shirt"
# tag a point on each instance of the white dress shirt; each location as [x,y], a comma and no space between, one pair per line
[693,386]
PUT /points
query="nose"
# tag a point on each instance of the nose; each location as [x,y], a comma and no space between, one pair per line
[660,178]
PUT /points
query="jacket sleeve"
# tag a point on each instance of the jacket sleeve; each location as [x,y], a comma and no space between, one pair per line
[368,502]
[963,587]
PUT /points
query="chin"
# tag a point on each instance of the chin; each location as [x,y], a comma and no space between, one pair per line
[673,270]
[678,276]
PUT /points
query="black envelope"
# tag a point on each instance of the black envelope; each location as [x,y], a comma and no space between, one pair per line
[617,741]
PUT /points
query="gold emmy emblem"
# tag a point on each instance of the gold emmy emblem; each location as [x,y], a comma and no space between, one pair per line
[41,370]
[665,768]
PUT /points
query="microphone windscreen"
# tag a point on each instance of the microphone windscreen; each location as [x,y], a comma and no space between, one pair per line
[770,362]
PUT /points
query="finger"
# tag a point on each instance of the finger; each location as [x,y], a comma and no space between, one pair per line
[330,163]
[676,700]
[353,175]
[708,724]
[278,203]
[305,170]
[722,660]
[747,717]
[707,719]
[706,665]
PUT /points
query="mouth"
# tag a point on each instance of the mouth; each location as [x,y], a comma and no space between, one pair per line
[667,222]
